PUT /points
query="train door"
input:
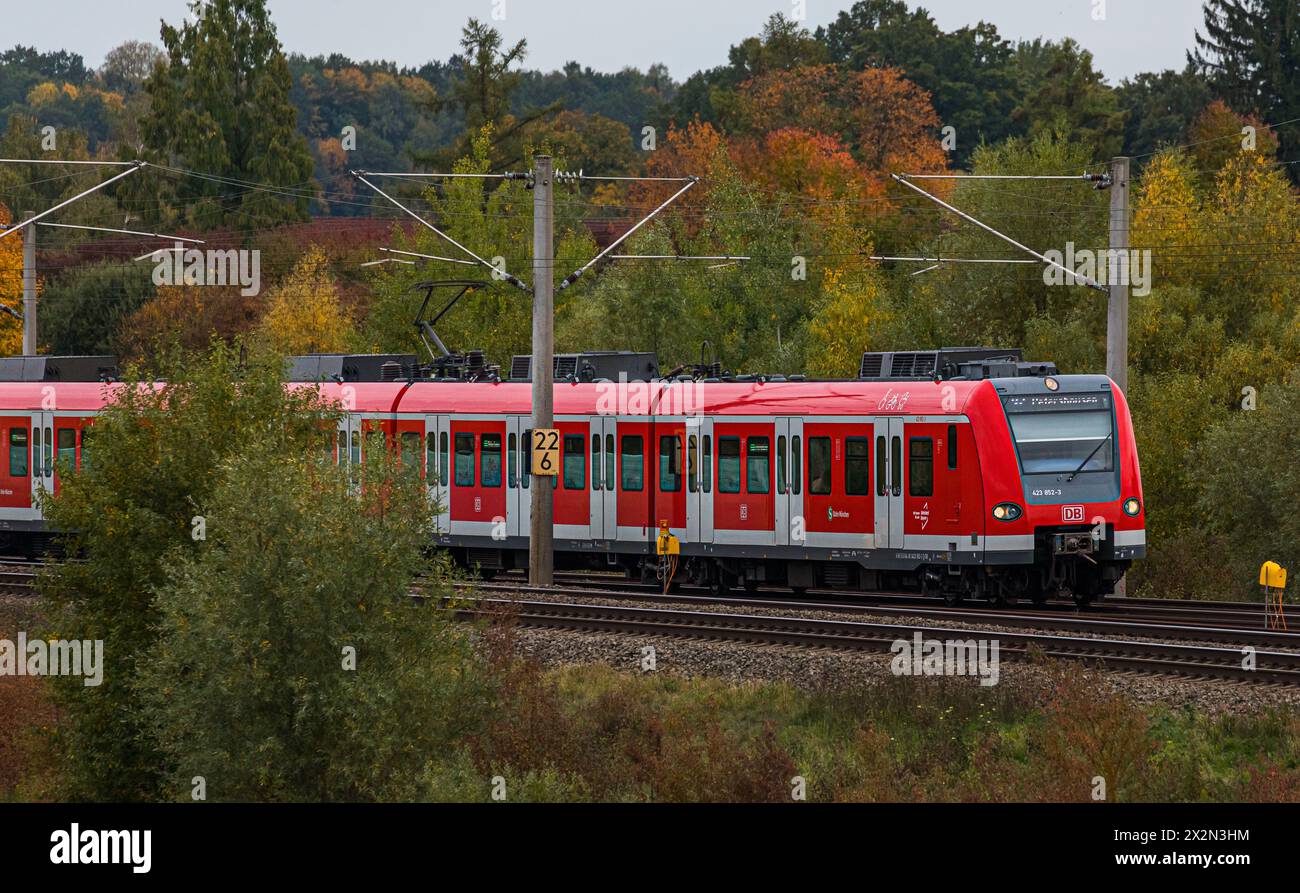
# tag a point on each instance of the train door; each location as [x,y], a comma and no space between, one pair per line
[888,476]
[791,526]
[699,480]
[519,506]
[604,493]
[349,444]
[42,455]
[437,446]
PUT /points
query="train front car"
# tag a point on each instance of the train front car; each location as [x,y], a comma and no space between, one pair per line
[1063,492]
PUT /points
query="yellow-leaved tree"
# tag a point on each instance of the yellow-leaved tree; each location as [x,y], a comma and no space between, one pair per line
[11,287]
[852,315]
[303,312]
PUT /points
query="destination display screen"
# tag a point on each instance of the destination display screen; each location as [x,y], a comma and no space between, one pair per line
[1056,402]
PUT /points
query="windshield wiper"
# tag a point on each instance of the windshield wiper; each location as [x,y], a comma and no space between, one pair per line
[1075,473]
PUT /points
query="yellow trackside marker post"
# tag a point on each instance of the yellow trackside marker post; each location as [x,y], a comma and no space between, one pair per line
[1272,581]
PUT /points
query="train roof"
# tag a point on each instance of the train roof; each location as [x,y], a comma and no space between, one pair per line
[667,398]
[676,398]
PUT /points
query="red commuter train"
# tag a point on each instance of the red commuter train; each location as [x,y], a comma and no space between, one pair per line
[966,472]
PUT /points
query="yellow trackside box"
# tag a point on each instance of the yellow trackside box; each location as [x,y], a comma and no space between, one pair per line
[667,544]
[1272,575]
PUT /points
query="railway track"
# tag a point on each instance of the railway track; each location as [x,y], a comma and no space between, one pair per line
[1081,624]
[1190,660]
[1117,640]
[1221,615]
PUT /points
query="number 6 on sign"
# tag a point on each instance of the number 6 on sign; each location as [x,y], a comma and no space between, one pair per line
[546,451]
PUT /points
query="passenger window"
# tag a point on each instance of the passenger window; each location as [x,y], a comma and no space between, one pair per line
[670,464]
[512,460]
[881,483]
[575,462]
[758,459]
[692,460]
[525,458]
[609,461]
[952,447]
[856,467]
[631,463]
[896,465]
[18,452]
[355,458]
[430,459]
[343,448]
[464,460]
[411,449]
[595,462]
[66,447]
[442,459]
[728,464]
[819,465]
[796,464]
[780,464]
[490,460]
[707,469]
[920,466]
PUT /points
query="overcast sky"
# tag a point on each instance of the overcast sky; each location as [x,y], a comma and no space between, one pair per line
[686,35]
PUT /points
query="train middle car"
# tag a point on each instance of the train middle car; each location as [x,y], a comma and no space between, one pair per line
[1001,488]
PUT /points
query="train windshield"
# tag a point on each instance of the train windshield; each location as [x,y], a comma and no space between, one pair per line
[1053,439]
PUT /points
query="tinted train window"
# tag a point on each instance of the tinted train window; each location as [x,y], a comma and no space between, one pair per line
[819,465]
[920,466]
[595,462]
[512,460]
[464,460]
[857,471]
[631,462]
[882,485]
[85,447]
[692,462]
[410,449]
[343,448]
[758,464]
[952,447]
[609,461]
[431,457]
[490,461]
[442,459]
[525,458]
[796,464]
[670,464]
[706,468]
[780,464]
[18,452]
[728,464]
[575,462]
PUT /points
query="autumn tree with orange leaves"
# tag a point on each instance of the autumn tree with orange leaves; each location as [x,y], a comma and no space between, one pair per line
[11,287]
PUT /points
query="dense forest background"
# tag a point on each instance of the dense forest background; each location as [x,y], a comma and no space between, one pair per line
[794,136]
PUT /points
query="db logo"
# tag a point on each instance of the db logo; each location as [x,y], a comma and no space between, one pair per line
[1071,514]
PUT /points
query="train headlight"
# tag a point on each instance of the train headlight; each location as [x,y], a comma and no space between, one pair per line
[1132,506]
[1006,511]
